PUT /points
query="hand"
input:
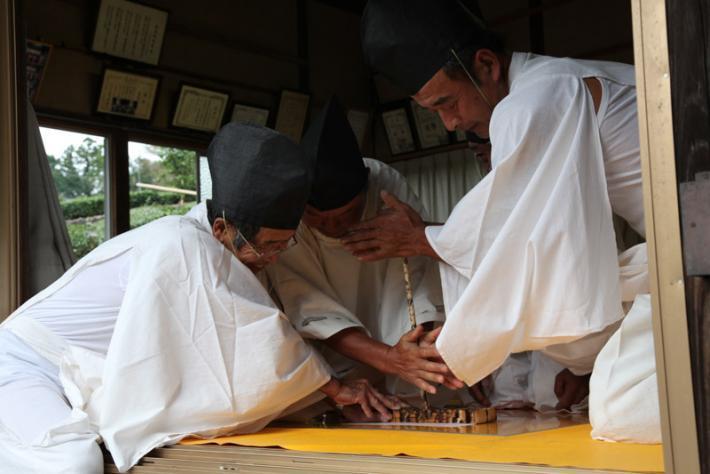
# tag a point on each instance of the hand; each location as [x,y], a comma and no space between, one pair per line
[361,392]
[412,362]
[397,231]
[354,413]
[478,391]
[429,339]
[570,389]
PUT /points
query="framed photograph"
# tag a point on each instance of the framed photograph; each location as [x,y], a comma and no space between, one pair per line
[37,57]
[249,114]
[399,131]
[430,129]
[127,94]
[359,121]
[291,116]
[200,109]
[130,30]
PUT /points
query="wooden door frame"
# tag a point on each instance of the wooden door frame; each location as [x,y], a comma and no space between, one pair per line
[10,143]
[663,234]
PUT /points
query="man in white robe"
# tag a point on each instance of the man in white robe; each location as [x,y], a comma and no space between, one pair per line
[528,257]
[358,309]
[165,331]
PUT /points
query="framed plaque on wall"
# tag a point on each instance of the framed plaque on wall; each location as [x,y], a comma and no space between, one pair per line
[199,108]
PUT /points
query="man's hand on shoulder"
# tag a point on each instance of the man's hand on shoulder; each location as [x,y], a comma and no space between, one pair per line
[397,231]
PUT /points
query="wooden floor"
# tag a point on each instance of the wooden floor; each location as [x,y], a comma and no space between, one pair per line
[212,459]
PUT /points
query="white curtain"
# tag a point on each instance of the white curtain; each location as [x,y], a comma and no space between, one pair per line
[50,253]
[441,180]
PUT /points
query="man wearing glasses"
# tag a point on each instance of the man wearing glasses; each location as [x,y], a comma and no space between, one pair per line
[528,257]
[165,331]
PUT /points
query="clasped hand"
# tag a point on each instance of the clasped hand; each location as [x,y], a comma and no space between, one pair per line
[416,360]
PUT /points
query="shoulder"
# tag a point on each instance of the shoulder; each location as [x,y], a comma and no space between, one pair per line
[175,242]
[536,101]
[384,177]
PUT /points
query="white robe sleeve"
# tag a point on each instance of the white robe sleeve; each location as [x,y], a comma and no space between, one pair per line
[308,298]
[529,254]
[198,348]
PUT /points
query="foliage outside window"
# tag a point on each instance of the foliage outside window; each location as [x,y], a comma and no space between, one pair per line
[79,178]
[77,164]
[153,168]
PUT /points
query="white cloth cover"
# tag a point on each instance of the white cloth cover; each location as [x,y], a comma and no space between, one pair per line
[529,254]
[623,390]
[324,289]
[39,433]
[199,347]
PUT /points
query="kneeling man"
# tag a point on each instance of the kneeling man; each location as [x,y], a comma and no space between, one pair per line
[165,331]
[358,309]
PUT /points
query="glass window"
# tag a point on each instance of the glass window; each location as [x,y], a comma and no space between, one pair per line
[163,181]
[77,164]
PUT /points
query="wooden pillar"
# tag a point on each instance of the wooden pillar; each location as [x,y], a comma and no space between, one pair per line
[117,201]
[689,53]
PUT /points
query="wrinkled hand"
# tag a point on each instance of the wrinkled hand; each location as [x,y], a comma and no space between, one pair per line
[570,389]
[397,231]
[415,363]
[361,392]
[355,414]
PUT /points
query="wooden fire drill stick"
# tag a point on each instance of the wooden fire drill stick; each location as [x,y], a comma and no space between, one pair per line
[410,309]
[410,295]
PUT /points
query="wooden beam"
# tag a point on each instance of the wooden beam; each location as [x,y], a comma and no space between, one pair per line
[100,125]
[521,13]
[304,73]
[537,27]
[10,241]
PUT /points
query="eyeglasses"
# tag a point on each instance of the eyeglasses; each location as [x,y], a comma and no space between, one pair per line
[261,251]
[265,251]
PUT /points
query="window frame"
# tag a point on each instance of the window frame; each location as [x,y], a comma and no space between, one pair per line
[116,163]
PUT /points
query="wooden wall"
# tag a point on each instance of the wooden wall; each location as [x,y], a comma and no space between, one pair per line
[248,48]
[254,48]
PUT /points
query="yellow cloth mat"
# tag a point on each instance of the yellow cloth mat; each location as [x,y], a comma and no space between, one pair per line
[563,447]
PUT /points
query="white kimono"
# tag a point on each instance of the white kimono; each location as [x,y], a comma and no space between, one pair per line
[529,254]
[324,289]
[198,347]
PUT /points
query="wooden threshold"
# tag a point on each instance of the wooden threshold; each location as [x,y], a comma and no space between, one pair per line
[212,459]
